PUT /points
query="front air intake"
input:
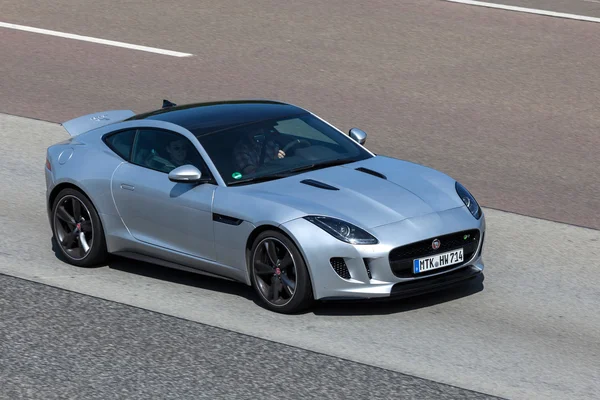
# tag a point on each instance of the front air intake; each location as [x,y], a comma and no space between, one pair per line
[339,266]
[401,258]
[367,267]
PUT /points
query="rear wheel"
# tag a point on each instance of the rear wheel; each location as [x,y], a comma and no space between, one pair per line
[77,229]
[279,274]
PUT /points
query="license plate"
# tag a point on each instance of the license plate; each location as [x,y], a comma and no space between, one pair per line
[438,261]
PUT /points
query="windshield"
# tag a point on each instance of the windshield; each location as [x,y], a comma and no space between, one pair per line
[278,148]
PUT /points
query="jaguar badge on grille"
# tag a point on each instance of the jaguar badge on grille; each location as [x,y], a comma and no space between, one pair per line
[436,244]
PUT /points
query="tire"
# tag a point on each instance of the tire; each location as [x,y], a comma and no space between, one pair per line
[65,227]
[264,279]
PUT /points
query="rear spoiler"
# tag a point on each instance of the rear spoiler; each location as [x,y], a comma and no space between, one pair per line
[85,123]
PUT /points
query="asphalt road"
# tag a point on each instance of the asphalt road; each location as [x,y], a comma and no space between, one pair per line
[505,102]
[589,8]
[530,330]
[59,344]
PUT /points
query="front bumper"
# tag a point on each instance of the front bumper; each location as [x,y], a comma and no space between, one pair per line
[343,271]
[434,283]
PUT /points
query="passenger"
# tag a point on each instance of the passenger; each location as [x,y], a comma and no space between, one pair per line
[177,150]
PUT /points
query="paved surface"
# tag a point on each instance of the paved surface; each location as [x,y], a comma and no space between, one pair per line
[508,103]
[589,8]
[529,330]
[59,345]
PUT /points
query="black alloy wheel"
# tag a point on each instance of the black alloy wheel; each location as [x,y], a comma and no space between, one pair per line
[77,229]
[279,274]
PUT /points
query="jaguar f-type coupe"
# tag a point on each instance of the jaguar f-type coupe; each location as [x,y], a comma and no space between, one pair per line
[261,192]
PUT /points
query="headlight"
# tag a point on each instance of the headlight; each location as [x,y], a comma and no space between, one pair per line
[469,200]
[342,230]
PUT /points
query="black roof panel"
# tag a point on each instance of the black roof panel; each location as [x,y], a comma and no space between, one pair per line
[201,118]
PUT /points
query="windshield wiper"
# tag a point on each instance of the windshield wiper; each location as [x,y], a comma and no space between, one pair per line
[285,174]
[330,163]
[258,179]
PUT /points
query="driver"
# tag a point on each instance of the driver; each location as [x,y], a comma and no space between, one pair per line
[247,151]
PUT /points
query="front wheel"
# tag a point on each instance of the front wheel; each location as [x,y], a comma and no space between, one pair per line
[279,274]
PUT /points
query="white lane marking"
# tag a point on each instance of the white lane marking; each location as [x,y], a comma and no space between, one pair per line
[94,40]
[527,10]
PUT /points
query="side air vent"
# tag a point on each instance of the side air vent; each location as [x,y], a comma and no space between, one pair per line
[339,266]
[226,219]
[312,182]
[371,172]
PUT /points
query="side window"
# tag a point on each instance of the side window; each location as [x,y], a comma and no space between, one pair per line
[164,151]
[121,143]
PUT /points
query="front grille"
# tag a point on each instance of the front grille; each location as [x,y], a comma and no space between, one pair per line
[401,258]
[339,266]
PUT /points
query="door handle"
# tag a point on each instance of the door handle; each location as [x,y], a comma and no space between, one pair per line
[127,187]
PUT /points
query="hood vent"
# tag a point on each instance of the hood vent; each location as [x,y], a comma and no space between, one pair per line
[321,185]
[371,172]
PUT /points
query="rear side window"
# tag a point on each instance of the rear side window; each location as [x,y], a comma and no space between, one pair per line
[121,143]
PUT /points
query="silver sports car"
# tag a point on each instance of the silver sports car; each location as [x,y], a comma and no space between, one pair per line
[261,192]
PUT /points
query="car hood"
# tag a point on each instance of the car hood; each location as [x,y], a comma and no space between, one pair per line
[368,193]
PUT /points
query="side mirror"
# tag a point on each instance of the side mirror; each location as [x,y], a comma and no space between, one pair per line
[358,135]
[185,174]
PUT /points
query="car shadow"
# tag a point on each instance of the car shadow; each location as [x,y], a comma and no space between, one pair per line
[154,271]
[321,308]
[181,188]
[190,279]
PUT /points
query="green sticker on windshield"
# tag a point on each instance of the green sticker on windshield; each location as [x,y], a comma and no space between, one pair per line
[236,175]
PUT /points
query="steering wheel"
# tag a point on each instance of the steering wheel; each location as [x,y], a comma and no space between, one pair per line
[166,163]
[294,143]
